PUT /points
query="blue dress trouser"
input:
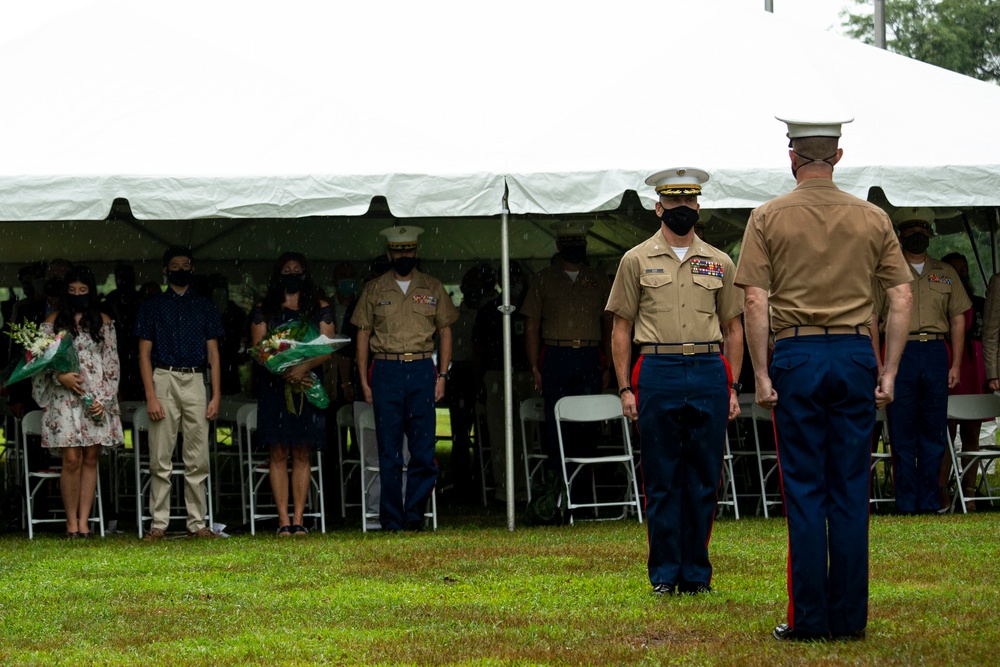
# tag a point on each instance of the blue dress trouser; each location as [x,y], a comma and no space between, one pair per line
[683,404]
[403,399]
[918,422]
[824,421]
[568,371]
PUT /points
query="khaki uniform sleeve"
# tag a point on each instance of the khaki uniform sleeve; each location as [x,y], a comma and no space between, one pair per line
[959,301]
[532,306]
[991,328]
[754,268]
[892,269]
[447,313]
[730,299]
[362,317]
[623,299]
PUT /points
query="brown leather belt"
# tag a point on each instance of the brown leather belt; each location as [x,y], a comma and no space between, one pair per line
[405,356]
[572,343]
[924,337]
[181,369]
[792,332]
[686,349]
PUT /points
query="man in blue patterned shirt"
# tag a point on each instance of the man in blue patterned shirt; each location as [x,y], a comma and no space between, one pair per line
[178,333]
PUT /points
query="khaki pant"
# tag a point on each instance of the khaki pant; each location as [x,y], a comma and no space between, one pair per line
[184,400]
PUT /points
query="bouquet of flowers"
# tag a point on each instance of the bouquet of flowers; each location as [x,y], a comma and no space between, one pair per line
[289,345]
[45,352]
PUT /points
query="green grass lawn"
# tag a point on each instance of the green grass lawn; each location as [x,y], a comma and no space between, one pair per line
[474,593]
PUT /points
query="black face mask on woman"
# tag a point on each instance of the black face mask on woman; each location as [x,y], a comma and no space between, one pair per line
[680,219]
[78,303]
[291,282]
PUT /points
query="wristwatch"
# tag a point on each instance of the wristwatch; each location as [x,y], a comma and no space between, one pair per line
[737,387]
[444,376]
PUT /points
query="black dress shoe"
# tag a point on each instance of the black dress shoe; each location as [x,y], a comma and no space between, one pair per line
[694,588]
[663,589]
[785,633]
[855,636]
[414,526]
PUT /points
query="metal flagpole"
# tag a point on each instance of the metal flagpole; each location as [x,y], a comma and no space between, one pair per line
[880,24]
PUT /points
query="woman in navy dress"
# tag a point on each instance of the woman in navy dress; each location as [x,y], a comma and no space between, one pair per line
[291,295]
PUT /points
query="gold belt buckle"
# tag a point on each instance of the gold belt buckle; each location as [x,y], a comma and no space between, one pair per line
[407,356]
[923,337]
[687,349]
[577,343]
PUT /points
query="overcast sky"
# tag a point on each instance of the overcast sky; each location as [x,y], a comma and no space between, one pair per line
[817,14]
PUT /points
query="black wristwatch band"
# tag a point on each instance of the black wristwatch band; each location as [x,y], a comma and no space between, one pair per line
[444,376]
[623,390]
[737,387]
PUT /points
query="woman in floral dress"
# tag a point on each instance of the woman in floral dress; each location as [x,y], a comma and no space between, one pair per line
[78,431]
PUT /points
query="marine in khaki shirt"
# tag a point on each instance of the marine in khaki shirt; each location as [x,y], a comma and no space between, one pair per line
[674,301]
[807,265]
[400,323]
[676,294]
[397,316]
[567,334]
[819,288]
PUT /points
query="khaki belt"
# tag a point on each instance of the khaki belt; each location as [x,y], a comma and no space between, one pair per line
[686,349]
[924,337]
[405,356]
[792,332]
[181,369]
[572,343]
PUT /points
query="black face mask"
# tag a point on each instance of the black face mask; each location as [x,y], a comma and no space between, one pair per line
[181,278]
[915,243]
[573,254]
[78,303]
[403,266]
[291,282]
[679,220]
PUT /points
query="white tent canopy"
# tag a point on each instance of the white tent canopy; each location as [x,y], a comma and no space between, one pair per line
[241,110]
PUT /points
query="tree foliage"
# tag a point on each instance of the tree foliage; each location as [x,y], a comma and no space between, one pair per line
[959,35]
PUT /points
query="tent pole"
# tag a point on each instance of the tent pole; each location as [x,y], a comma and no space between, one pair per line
[508,370]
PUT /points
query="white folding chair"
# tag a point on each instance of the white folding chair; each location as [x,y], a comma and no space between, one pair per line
[367,445]
[532,412]
[753,417]
[595,409]
[227,453]
[143,476]
[31,425]
[259,469]
[881,466]
[243,447]
[728,483]
[347,466]
[972,407]
[122,459]
[484,450]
